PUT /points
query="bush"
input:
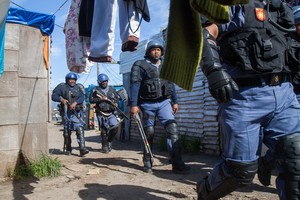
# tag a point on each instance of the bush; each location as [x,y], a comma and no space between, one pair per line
[44,166]
[188,144]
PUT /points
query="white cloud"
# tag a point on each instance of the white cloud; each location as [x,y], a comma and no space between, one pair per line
[56,51]
[159,13]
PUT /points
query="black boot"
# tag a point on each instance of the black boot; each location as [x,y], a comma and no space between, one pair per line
[264,171]
[147,163]
[67,142]
[105,148]
[178,166]
[202,190]
[111,135]
[80,135]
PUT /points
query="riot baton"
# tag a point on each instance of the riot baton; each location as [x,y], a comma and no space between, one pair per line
[65,118]
[144,138]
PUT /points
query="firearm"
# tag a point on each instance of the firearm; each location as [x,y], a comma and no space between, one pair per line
[65,118]
[77,115]
[144,138]
[112,103]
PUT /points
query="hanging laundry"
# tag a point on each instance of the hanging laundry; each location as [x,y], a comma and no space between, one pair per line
[77,47]
[103,27]
[86,17]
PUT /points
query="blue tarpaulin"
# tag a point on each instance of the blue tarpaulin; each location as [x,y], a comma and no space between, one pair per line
[3,13]
[42,21]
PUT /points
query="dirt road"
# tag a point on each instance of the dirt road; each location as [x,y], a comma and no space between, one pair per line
[118,176]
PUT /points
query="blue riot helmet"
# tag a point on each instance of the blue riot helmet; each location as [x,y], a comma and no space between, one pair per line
[71,75]
[154,44]
[296,12]
[102,80]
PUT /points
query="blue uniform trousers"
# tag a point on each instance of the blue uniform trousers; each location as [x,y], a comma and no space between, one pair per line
[272,111]
[108,122]
[160,109]
[163,111]
[71,122]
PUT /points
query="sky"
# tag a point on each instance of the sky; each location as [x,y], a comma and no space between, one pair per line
[159,19]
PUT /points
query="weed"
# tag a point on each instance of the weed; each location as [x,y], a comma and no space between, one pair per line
[44,166]
[188,144]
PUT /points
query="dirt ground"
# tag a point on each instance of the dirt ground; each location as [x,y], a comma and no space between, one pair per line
[118,175]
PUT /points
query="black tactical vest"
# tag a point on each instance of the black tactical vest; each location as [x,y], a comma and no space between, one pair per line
[72,94]
[107,106]
[152,87]
[258,46]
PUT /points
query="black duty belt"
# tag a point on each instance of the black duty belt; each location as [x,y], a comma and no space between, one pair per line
[263,80]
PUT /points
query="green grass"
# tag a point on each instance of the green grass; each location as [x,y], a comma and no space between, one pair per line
[43,166]
[188,144]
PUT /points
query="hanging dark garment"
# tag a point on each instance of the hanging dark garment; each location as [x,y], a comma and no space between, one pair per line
[142,7]
[86,17]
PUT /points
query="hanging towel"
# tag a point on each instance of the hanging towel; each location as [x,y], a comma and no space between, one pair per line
[142,7]
[77,47]
[185,40]
[85,19]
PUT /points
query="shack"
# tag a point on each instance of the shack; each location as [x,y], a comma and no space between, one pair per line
[25,86]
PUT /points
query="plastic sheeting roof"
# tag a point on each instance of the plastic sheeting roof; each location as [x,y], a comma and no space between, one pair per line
[42,21]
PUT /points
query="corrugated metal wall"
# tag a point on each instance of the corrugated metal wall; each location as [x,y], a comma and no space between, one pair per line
[197,116]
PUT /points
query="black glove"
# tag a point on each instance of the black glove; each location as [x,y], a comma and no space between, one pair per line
[221,86]
[296,79]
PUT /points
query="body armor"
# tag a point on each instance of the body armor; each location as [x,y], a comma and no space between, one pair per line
[259,46]
[152,87]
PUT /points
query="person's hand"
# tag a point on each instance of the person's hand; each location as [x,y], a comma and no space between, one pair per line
[221,86]
[73,105]
[134,110]
[296,79]
[175,108]
[64,101]
[104,98]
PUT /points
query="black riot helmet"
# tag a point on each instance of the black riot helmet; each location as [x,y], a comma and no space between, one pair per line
[154,44]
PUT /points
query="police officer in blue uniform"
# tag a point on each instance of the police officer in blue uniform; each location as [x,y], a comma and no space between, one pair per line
[257,103]
[267,163]
[106,99]
[71,97]
[153,95]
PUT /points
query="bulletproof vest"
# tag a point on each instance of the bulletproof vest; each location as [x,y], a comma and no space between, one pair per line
[152,87]
[106,105]
[258,46]
[71,94]
[82,89]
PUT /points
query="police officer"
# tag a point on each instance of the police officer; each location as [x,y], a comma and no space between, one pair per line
[152,95]
[71,97]
[106,99]
[296,36]
[267,163]
[252,85]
